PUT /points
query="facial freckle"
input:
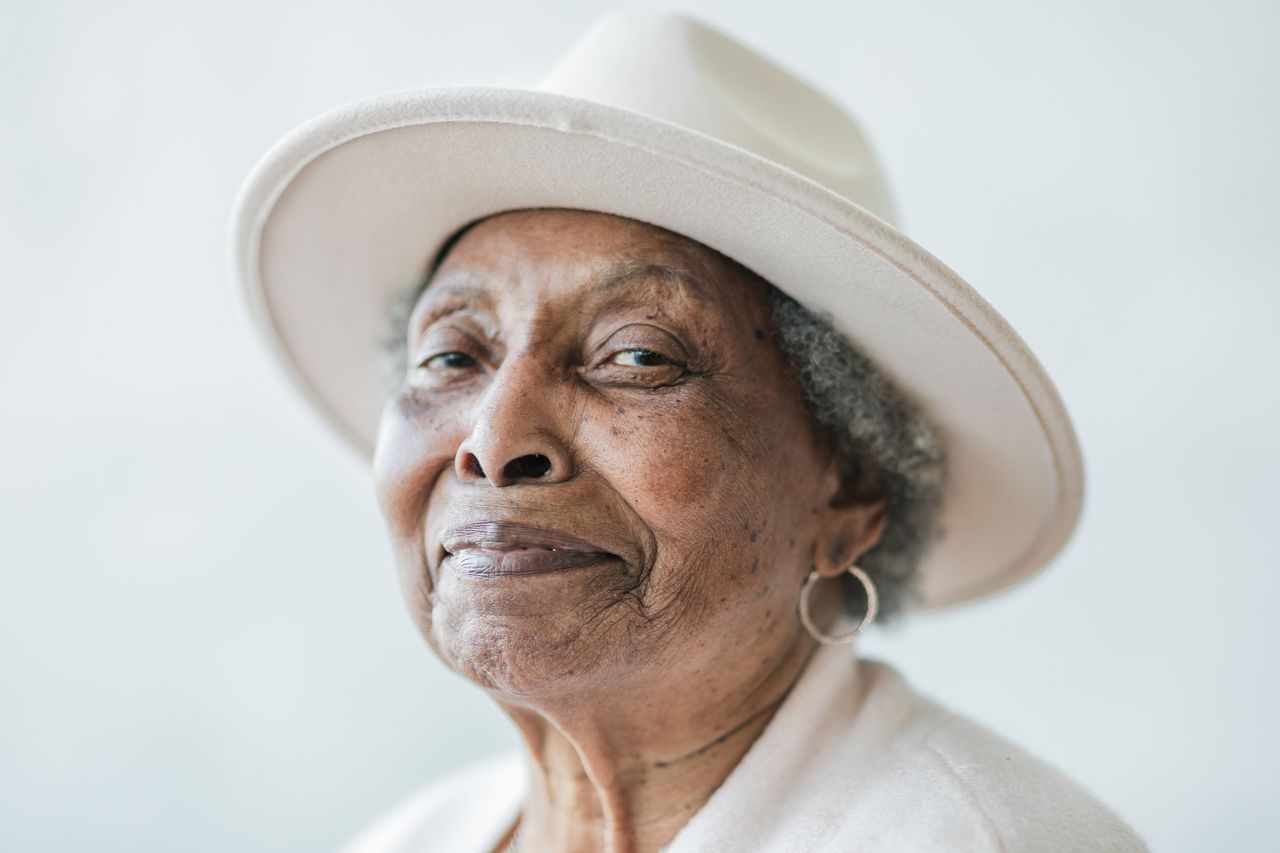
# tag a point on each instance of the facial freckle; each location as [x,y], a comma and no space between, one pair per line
[755,564]
[613,430]
[754,535]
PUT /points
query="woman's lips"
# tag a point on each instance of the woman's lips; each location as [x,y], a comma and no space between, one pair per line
[505,547]
[490,563]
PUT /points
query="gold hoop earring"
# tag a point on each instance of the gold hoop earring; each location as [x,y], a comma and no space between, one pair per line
[834,639]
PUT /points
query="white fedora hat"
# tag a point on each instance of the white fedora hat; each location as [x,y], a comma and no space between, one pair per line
[661,118]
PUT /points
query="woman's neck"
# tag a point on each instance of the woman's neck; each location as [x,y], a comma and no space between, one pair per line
[624,775]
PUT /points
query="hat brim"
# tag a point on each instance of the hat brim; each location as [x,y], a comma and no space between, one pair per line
[344,214]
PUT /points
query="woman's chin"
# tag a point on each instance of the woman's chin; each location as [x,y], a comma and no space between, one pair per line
[529,637]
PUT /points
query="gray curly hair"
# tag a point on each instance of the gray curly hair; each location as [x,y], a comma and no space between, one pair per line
[881,440]
[877,434]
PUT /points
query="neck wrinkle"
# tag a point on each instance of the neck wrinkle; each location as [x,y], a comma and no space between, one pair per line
[587,789]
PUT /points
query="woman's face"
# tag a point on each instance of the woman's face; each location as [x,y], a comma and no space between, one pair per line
[600,386]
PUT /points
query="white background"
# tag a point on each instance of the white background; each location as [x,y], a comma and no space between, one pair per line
[201,645]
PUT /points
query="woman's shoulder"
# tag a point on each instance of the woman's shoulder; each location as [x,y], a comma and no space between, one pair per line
[468,809]
[1000,789]
[856,759]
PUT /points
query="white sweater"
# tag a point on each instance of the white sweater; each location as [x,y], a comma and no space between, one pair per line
[853,760]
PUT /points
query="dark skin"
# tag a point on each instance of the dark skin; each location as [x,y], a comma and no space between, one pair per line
[677,439]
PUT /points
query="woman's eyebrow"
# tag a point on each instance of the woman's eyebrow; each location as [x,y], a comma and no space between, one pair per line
[627,283]
[452,292]
[456,286]
[622,278]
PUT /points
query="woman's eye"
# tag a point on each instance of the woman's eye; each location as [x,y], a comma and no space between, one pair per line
[639,358]
[448,360]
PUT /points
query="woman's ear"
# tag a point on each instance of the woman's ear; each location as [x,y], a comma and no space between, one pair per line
[853,518]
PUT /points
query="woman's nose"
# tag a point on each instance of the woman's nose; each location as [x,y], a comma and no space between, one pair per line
[517,437]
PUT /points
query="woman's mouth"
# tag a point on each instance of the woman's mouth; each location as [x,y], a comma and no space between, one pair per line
[493,563]
[496,548]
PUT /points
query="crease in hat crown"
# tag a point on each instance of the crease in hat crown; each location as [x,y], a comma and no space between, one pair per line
[676,68]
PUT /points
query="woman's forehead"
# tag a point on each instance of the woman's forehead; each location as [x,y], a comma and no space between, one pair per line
[584,257]
[568,240]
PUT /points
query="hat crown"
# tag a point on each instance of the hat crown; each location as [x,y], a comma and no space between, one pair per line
[678,69]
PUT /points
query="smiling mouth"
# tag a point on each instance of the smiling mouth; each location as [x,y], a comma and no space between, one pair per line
[513,562]
[501,548]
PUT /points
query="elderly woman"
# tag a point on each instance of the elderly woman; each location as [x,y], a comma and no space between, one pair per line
[676,414]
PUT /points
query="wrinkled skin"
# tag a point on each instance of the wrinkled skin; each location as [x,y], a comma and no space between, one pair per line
[677,440]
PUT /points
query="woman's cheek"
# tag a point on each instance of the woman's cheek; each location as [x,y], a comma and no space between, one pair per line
[415,442]
[678,463]
[696,482]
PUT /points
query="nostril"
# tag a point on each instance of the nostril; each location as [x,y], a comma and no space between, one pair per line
[529,465]
[472,464]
